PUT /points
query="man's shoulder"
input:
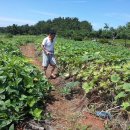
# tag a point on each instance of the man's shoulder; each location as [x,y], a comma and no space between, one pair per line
[46,38]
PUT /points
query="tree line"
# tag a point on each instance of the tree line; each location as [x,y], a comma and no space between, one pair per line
[70,28]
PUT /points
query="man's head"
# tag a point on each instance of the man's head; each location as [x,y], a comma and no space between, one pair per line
[52,34]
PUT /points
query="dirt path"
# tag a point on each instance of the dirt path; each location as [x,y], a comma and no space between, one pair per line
[64,114]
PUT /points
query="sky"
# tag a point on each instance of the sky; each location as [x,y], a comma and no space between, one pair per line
[97,12]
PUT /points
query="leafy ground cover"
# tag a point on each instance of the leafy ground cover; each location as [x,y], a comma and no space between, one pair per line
[23,87]
[105,68]
[103,71]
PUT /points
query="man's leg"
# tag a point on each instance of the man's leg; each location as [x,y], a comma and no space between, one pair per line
[44,68]
[45,62]
[52,71]
[53,65]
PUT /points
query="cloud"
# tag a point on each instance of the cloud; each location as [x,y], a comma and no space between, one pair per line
[5,21]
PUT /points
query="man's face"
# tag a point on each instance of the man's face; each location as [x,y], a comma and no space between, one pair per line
[51,36]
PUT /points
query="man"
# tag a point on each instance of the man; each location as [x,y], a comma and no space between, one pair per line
[48,52]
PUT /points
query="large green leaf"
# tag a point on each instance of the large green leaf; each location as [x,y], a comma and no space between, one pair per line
[3,79]
[125,105]
[8,103]
[18,80]
[2,89]
[32,101]
[115,78]
[3,115]
[12,127]
[37,113]
[120,95]
[2,96]
[4,123]
[126,87]
[87,87]
[72,84]
[23,97]
[1,71]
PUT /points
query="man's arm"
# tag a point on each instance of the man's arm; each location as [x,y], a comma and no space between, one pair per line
[45,50]
[43,46]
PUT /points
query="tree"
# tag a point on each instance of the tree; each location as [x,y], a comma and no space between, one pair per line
[106,27]
[13,29]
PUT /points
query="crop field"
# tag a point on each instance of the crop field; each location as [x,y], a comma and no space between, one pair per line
[22,86]
[102,70]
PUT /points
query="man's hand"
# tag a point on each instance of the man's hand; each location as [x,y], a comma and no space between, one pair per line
[48,53]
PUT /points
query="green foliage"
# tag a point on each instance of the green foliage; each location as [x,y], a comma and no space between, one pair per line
[115,78]
[126,105]
[23,87]
[104,41]
[71,28]
[77,38]
[120,95]
[126,87]
[102,67]
[8,35]
[68,87]
[87,87]
[66,27]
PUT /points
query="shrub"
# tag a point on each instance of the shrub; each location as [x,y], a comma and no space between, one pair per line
[77,38]
[23,90]
[104,41]
[8,35]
